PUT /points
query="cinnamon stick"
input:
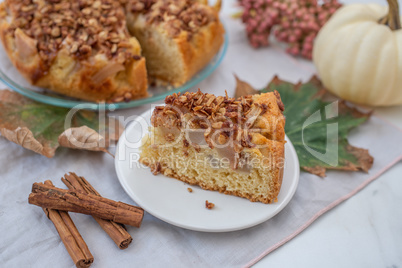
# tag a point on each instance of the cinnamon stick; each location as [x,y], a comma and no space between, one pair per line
[72,240]
[76,201]
[116,231]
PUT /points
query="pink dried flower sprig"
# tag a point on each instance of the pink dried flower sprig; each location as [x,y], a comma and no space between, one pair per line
[294,22]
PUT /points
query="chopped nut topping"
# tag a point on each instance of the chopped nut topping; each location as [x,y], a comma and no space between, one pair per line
[79,26]
[56,32]
[128,95]
[217,125]
[189,190]
[156,168]
[209,205]
[223,118]
[169,137]
[185,143]
[118,99]
[85,50]
[222,139]
[179,15]
[114,48]
[279,101]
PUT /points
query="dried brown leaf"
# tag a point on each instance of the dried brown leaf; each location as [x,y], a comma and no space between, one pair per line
[243,88]
[24,137]
[83,138]
[37,127]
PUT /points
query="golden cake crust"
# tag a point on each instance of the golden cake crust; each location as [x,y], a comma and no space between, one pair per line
[79,49]
[198,52]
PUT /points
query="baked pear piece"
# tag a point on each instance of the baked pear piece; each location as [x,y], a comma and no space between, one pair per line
[234,146]
[178,37]
[80,48]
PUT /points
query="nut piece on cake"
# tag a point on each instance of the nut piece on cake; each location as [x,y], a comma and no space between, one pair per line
[80,49]
[234,146]
[178,37]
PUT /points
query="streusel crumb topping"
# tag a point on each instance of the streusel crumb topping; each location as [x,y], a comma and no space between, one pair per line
[83,27]
[233,118]
[178,15]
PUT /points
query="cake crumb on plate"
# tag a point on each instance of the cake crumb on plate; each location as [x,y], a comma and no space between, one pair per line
[209,205]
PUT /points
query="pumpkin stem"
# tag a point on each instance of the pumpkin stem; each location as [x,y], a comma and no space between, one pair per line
[392,19]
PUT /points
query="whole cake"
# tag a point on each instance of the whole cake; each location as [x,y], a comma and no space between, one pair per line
[234,146]
[84,49]
[80,49]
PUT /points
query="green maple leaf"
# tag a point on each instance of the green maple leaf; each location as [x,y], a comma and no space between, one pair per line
[309,137]
[39,127]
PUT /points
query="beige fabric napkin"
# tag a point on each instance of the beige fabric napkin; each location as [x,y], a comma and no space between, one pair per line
[29,238]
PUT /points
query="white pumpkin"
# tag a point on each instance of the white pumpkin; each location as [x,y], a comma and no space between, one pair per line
[360,59]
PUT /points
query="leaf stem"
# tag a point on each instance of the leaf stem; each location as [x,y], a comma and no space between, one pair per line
[392,19]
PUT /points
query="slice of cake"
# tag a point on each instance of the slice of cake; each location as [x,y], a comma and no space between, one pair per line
[80,48]
[234,146]
[178,37]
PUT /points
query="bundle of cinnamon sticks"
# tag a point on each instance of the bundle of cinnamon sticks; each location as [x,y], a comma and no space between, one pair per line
[83,198]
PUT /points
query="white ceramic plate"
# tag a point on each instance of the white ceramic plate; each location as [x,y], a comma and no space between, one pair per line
[168,198]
